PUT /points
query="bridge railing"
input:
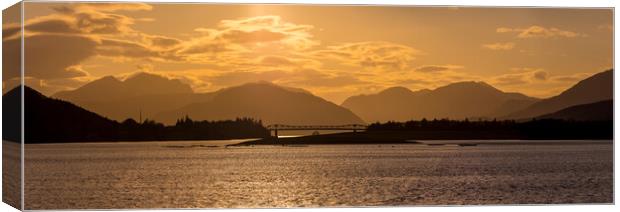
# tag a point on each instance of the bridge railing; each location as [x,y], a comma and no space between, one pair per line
[279,127]
[316,127]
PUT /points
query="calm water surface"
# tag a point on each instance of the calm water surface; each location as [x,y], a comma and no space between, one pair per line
[199,175]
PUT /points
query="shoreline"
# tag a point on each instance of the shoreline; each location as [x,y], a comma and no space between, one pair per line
[132,141]
[373,137]
[427,138]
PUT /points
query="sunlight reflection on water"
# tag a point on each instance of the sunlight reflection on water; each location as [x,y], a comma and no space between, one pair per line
[154,175]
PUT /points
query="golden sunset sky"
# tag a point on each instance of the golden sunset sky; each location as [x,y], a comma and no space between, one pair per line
[332,51]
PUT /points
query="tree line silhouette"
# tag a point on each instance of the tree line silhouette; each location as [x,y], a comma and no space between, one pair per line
[149,130]
[188,129]
[498,129]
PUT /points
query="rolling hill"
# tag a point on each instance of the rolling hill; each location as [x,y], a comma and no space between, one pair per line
[598,111]
[596,88]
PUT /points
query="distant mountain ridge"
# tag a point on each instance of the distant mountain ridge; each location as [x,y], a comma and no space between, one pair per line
[139,84]
[598,111]
[271,103]
[455,101]
[165,100]
[596,88]
[141,94]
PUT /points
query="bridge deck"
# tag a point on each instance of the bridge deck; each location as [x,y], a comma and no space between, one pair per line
[317,127]
[350,127]
[310,128]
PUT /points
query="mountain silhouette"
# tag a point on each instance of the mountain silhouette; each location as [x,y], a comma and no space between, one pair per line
[142,93]
[139,84]
[598,111]
[596,88]
[47,119]
[455,101]
[268,102]
[11,115]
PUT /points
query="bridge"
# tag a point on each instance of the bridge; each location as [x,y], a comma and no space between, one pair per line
[283,127]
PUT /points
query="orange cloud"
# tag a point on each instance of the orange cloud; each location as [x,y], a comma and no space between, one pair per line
[267,29]
[80,32]
[437,68]
[108,7]
[237,41]
[373,54]
[162,41]
[259,36]
[536,31]
[529,76]
[127,49]
[112,33]
[499,46]
[50,64]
